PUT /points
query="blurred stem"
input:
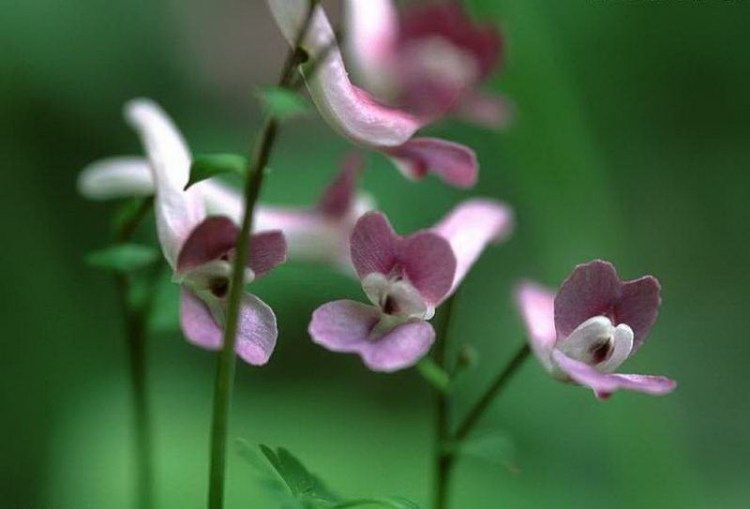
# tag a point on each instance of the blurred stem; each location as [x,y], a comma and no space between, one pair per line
[135,329]
[443,461]
[491,393]
[227,359]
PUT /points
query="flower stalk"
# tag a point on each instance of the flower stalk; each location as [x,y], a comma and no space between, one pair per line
[135,329]
[224,380]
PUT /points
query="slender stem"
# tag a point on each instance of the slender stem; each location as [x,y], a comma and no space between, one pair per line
[443,461]
[224,380]
[135,328]
[491,393]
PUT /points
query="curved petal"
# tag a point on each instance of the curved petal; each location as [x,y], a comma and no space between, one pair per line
[346,326]
[177,211]
[256,332]
[604,384]
[210,240]
[429,264]
[116,177]
[222,200]
[591,290]
[454,163]
[339,196]
[638,307]
[371,28]
[469,227]
[537,307]
[197,322]
[373,245]
[267,250]
[348,109]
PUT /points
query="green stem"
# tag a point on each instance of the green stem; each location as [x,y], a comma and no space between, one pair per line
[135,328]
[491,393]
[443,462]
[224,380]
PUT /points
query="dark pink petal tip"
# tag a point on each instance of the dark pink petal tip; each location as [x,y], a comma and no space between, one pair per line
[595,289]
[373,245]
[339,196]
[267,250]
[604,384]
[456,164]
[210,240]
[346,326]
[429,263]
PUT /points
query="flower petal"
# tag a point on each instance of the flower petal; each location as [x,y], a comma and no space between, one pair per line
[429,264]
[346,326]
[177,212]
[537,307]
[256,331]
[494,111]
[373,245]
[339,196]
[116,177]
[469,227]
[638,307]
[454,163]
[210,240]
[591,290]
[198,324]
[605,384]
[371,29]
[348,109]
[267,250]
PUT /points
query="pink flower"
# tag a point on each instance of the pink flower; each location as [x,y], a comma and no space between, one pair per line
[594,323]
[361,118]
[317,234]
[429,61]
[200,249]
[405,279]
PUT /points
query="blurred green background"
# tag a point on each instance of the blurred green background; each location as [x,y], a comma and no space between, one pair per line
[632,144]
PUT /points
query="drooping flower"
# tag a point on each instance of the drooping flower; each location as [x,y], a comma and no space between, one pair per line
[200,249]
[357,115]
[594,324]
[318,234]
[405,279]
[428,61]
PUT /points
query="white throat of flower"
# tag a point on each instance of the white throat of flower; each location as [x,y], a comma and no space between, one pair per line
[397,299]
[598,343]
[210,283]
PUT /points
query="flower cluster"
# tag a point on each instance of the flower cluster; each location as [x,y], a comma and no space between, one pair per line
[418,68]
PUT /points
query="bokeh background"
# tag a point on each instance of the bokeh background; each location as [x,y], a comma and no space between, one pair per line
[632,143]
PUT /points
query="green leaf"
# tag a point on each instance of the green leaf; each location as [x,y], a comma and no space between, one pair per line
[493,447]
[210,165]
[390,502]
[434,374]
[282,103]
[123,257]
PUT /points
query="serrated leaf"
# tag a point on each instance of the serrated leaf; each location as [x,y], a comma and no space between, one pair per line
[123,258]
[282,103]
[211,165]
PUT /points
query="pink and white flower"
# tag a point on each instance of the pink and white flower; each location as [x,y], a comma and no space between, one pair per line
[357,115]
[594,324]
[405,279]
[428,61]
[200,249]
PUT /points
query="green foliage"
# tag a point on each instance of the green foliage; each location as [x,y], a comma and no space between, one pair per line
[211,165]
[434,374]
[282,103]
[123,258]
[493,447]
[295,487]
